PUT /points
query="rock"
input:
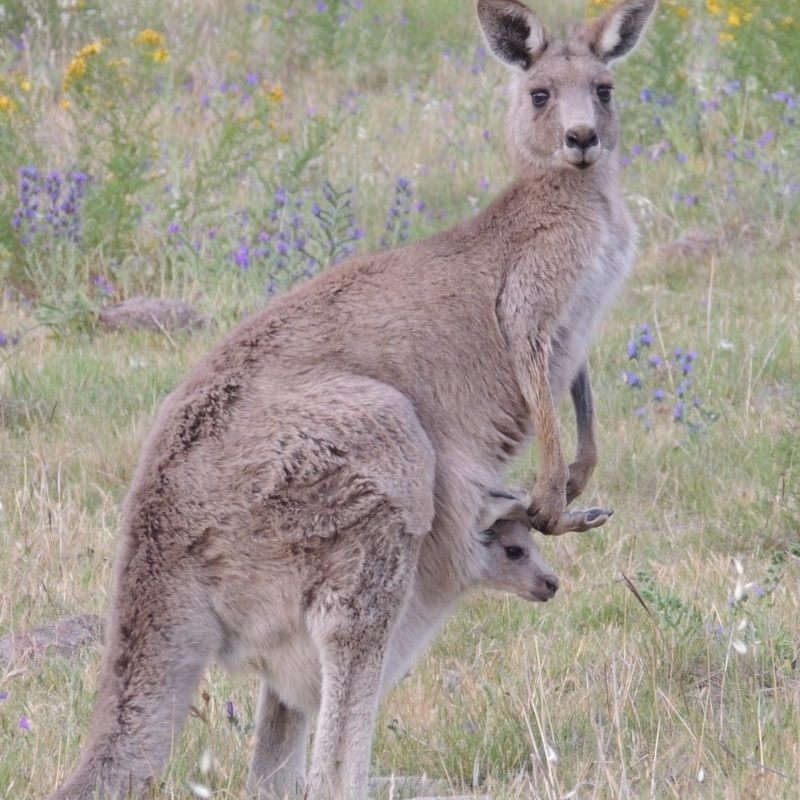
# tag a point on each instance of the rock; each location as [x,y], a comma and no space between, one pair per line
[151,313]
[693,245]
[63,637]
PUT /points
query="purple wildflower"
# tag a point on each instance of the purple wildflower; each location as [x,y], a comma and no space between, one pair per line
[765,137]
[103,284]
[397,222]
[630,378]
[242,257]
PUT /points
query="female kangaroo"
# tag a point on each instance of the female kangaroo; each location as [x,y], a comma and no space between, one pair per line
[307,502]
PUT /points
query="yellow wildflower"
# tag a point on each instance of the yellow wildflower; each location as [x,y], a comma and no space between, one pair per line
[25,85]
[681,12]
[89,50]
[6,103]
[75,69]
[275,94]
[725,37]
[734,19]
[161,55]
[713,6]
[65,104]
[149,36]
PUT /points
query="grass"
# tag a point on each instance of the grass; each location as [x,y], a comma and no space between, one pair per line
[655,672]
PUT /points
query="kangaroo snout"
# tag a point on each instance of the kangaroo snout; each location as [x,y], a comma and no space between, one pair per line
[581,137]
[581,144]
[546,588]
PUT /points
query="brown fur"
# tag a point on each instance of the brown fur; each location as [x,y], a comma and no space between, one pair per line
[307,501]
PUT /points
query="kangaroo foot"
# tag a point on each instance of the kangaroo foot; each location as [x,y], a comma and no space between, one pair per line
[581,520]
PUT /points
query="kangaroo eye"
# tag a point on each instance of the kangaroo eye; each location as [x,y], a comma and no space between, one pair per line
[539,97]
[514,553]
[604,93]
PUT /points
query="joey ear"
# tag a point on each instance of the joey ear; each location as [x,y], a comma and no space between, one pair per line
[501,505]
[617,32]
[512,31]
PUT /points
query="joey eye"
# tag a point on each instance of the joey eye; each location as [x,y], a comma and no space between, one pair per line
[604,94]
[539,97]
[514,553]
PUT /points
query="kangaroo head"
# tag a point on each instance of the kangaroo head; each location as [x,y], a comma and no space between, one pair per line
[513,562]
[561,109]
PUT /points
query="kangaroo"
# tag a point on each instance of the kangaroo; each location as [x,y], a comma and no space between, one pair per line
[306,501]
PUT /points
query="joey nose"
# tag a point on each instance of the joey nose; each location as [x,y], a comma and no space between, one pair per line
[581,137]
[545,587]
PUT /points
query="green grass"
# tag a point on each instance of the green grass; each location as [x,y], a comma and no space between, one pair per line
[688,693]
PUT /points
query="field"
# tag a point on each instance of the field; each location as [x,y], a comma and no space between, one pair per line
[220,152]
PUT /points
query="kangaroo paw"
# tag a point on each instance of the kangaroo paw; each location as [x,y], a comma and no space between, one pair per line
[581,520]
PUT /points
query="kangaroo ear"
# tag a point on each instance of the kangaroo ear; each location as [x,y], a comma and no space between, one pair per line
[513,32]
[617,32]
[501,505]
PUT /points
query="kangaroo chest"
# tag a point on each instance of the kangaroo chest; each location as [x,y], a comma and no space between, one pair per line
[595,292]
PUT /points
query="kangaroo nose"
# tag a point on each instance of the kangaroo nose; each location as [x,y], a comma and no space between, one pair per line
[551,582]
[581,137]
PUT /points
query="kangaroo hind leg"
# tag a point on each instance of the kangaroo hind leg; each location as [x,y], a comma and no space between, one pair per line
[278,764]
[352,631]
[158,642]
